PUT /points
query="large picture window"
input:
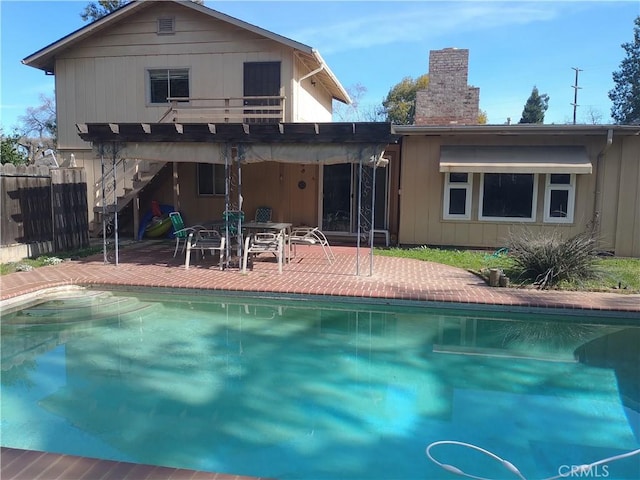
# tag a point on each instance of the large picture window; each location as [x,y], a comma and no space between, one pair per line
[457,196]
[211,179]
[168,83]
[508,196]
[559,198]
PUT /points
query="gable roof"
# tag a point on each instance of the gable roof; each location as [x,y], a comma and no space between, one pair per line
[44,59]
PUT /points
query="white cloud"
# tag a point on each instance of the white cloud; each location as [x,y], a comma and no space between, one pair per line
[414,22]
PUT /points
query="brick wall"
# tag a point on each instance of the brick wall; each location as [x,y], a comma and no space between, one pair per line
[448,99]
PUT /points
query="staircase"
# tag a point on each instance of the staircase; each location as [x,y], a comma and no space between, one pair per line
[118,186]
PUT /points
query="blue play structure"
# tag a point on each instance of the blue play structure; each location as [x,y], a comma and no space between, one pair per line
[144,222]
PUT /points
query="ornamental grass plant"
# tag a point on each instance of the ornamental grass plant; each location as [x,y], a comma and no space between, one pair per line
[546,259]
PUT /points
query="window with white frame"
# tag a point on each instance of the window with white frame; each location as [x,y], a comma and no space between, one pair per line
[168,83]
[508,196]
[457,196]
[559,197]
[211,179]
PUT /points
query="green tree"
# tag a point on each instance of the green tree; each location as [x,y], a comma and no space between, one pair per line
[400,104]
[535,107]
[626,92]
[10,149]
[96,10]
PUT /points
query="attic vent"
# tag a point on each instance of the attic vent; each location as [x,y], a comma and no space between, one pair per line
[166,26]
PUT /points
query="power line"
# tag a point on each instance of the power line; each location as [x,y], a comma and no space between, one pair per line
[575,94]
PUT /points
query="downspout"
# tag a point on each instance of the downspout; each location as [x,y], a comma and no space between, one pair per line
[312,73]
[597,197]
[304,77]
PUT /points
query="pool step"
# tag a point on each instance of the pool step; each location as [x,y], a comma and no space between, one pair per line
[38,329]
[83,312]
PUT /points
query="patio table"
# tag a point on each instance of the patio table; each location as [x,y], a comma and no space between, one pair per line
[283,228]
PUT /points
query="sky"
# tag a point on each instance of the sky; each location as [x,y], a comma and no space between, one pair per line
[513,46]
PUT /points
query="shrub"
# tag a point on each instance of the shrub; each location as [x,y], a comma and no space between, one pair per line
[546,258]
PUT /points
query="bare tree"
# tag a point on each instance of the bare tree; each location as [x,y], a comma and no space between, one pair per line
[40,121]
[38,129]
[593,116]
[357,111]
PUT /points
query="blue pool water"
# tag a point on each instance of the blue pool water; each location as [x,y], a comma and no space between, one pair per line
[317,390]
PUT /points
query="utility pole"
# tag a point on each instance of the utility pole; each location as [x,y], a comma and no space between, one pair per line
[575,94]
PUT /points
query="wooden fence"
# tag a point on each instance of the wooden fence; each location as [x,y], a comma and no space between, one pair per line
[44,205]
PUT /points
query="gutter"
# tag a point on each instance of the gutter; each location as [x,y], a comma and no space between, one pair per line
[323,66]
[597,196]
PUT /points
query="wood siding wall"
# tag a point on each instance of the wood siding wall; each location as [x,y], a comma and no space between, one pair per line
[422,190]
[263,184]
[313,103]
[105,79]
[627,225]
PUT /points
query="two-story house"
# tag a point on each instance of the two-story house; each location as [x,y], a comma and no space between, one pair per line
[183,89]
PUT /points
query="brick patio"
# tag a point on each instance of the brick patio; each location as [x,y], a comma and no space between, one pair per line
[151,264]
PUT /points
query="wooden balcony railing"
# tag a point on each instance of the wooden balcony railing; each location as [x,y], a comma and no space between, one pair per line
[267,109]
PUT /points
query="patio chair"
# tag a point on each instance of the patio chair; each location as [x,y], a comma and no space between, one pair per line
[311,236]
[180,231]
[263,243]
[205,240]
[263,214]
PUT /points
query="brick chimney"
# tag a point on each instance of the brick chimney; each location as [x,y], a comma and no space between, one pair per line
[448,100]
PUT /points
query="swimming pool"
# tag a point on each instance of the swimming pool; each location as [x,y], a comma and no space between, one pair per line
[312,389]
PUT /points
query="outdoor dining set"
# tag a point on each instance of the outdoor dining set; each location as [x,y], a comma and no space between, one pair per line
[237,242]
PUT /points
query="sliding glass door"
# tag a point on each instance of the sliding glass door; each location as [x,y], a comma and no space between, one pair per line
[340,187]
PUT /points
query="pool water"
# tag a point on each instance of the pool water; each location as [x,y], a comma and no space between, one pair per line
[308,389]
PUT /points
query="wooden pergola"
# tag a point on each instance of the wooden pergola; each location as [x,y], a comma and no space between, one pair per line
[235,144]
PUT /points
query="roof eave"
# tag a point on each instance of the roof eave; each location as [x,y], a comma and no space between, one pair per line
[340,93]
[44,58]
[512,130]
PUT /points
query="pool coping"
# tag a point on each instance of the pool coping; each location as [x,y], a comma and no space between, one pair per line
[48,293]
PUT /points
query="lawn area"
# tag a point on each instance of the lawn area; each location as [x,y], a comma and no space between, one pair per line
[615,274]
[44,260]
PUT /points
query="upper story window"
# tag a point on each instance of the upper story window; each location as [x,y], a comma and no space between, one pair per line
[559,197]
[262,81]
[211,179]
[168,83]
[457,196]
[508,196]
